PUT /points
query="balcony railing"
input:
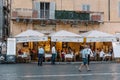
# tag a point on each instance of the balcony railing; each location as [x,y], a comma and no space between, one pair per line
[96,16]
[60,15]
[93,16]
[24,13]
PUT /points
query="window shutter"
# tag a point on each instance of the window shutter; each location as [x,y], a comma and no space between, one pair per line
[88,8]
[83,7]
[52,10]
[37,8]
[119,9]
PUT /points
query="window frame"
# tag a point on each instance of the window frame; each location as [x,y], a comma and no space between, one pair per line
[85,7]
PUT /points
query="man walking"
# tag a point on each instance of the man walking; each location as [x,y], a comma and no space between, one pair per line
[40,55]
[53,54]
[89,53]
[84,58]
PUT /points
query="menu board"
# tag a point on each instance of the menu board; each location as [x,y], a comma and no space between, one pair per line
[116,49]
[11,46]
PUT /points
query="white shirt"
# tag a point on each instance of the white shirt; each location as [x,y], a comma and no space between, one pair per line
[89,51]
[102,54]
[53,50]
[41,51]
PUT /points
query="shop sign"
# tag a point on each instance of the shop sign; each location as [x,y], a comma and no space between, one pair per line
[116,49]
[66,39]
[29,39]
[101,39]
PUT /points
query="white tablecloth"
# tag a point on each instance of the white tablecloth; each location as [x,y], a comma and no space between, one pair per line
[69,56]
[107,55]
[48,55]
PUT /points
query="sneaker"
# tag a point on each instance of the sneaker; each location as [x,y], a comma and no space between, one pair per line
[89,70]
[79,70]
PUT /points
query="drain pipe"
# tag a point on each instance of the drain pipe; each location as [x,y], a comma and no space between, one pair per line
[109,10]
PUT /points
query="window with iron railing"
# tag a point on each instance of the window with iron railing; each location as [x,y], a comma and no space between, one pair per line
[46,10]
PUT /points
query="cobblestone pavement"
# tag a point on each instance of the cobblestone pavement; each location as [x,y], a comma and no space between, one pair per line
[100,71]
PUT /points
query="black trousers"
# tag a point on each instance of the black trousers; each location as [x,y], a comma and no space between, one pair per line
[40,59]
[88,59]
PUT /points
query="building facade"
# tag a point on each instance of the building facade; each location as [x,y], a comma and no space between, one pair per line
[1,18]
[4,19]
[78,16]
[72,15]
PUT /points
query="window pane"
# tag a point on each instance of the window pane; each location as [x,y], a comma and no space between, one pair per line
[47,14]
[41,13]
[47,6]
[83,7]
[42,5]
[88,7]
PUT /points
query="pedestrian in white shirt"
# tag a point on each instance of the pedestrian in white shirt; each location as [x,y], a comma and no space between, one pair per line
[89,54]
[54,54]
[84,53]
[40,55]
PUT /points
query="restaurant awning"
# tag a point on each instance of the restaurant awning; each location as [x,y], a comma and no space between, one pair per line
[65,36]
[98,36]
[30,35]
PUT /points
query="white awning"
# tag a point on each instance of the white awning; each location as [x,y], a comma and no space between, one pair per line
[30,35]
[98,36]
[64,33]
[65,36]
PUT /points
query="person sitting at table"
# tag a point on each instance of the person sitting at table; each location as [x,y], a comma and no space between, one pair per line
[110,53]
[69,50]
[20,52]
[102,53]
[62,55]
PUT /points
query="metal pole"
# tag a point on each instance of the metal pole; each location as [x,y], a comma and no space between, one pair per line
[10,29]
[109,10]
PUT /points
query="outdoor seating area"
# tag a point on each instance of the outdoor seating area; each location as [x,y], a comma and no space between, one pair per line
[69,57]
[48,57]
[68,45]
[23,58]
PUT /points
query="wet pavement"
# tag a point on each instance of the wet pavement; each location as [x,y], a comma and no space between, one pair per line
[30,71]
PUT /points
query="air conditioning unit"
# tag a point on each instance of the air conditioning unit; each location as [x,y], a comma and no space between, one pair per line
[14,14]
[96,17]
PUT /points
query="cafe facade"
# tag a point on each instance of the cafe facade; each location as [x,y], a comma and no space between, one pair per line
[51,16]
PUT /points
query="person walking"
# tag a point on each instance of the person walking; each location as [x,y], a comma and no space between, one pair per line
[40,55]
[53,55]
[84,58]
[89,53]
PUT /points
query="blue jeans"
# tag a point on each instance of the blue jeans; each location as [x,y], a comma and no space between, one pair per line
[53,58]
[40,59]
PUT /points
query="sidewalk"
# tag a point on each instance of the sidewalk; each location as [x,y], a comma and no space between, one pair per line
[92,62]
[67,71]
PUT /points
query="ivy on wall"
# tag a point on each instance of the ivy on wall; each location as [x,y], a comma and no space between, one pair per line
[71,15]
